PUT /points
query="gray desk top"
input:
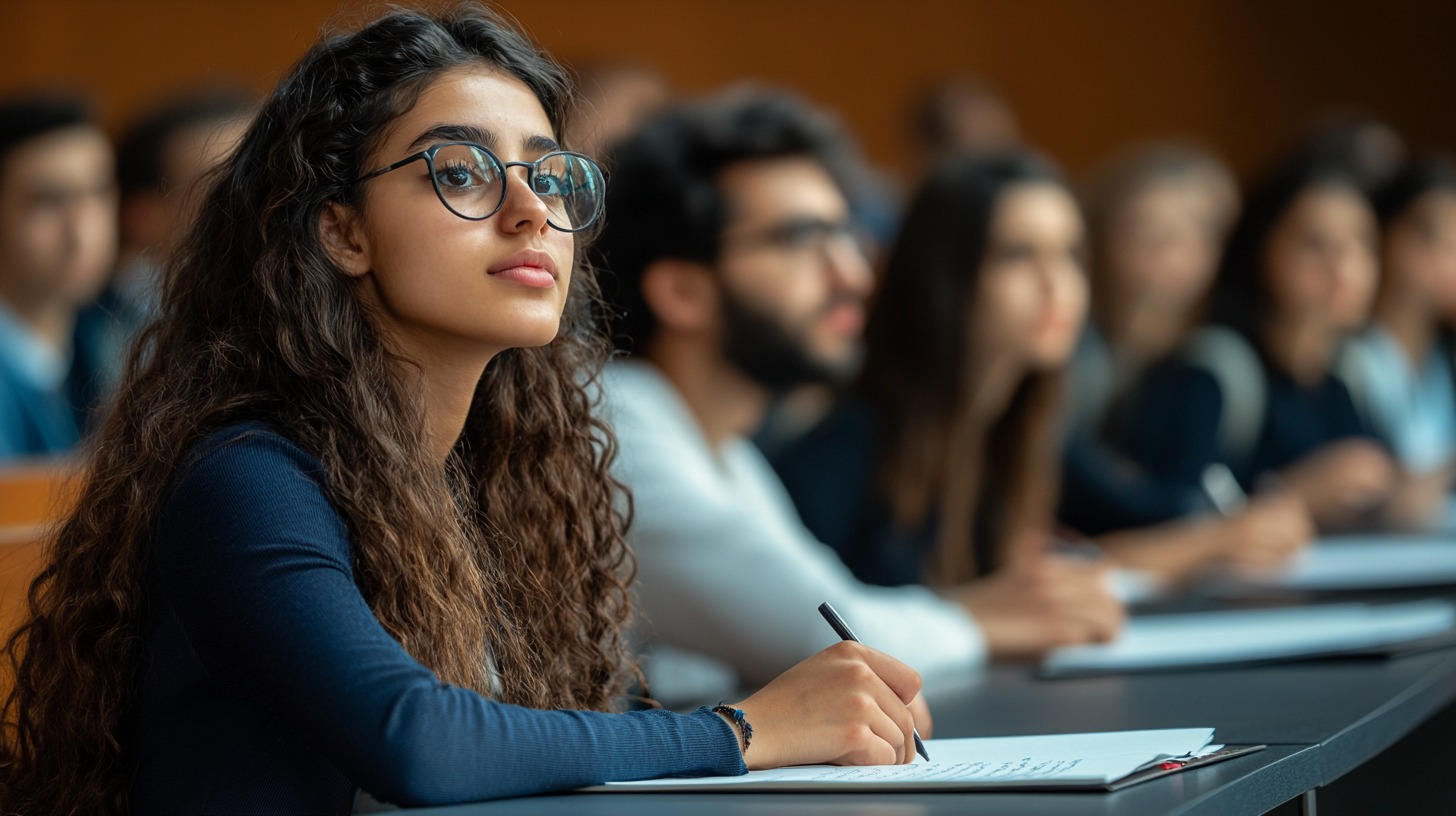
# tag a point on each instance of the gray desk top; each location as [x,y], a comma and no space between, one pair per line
[1351,709]
[1308,702]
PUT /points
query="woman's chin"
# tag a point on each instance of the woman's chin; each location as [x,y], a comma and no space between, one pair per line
[534,336]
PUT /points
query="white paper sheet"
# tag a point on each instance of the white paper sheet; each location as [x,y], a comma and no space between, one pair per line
[1058,760]
[1352,563]
[1244,636]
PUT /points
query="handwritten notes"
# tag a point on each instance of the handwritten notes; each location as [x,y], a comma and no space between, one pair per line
[1058,760]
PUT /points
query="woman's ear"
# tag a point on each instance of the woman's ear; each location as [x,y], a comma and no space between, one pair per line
[342,235]
[682,295]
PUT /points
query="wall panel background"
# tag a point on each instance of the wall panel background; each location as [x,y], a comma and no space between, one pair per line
[1086,76]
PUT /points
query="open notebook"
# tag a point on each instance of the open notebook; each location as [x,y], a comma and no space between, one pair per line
[1200,639]
[1102,761]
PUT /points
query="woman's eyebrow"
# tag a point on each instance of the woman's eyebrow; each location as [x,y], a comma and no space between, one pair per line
[541,144]
[455,133]
[536,144]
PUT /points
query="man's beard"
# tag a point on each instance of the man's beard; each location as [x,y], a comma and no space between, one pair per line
[771,353]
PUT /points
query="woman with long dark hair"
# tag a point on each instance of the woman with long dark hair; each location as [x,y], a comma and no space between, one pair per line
[942,467]
[1256,391]
[1157,219]
[349,524]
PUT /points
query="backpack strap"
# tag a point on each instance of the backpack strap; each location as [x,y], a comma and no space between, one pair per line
[1235,366]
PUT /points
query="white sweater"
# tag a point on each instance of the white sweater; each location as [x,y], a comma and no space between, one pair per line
[726,569]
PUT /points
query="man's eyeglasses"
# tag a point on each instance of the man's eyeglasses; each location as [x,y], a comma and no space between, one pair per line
[471,182]
[806,234]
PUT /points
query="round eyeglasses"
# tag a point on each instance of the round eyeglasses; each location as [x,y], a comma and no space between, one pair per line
[471,182]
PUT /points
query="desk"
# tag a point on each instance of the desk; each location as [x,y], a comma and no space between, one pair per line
[1320,719]
[1248,784]
[1349,710]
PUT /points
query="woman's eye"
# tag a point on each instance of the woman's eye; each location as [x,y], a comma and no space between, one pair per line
[552,185]
[456,175]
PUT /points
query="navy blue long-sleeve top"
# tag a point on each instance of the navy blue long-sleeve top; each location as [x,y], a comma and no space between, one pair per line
[1101,489]
[1172,425]
[830,473]
[268,685]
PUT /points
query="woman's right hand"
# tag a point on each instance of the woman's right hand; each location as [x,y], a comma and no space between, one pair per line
[1034,605]
[1344,482]
[1419,501]
[846,705]
[1267,532]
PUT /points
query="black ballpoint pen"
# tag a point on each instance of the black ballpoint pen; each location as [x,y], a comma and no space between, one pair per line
[845,633]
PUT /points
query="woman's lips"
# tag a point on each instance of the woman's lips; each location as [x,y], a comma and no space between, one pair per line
[845,318]
[533,276]
[529,267]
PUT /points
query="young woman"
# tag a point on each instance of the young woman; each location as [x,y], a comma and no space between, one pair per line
[1157,218]
[941,469]
[1401,368]
[349,524]
[1257,392]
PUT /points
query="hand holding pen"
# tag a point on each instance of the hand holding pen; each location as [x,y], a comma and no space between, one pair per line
[846,705]
[845,633]
[1262,533]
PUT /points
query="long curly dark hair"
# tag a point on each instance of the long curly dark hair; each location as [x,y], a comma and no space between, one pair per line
[520,545]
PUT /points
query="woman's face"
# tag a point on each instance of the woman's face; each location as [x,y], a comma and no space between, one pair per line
[1031,296]
[1163,244]
[1320,259]
[1420,252]
[440,282]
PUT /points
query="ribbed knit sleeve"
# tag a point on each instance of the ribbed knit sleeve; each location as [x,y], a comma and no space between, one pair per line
[254,563]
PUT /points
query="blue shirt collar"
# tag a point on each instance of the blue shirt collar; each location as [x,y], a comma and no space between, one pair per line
[36,362]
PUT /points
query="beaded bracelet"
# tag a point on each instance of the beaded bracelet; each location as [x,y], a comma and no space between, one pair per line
[739,720]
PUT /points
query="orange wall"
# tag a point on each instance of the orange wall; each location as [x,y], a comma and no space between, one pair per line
[1244,76]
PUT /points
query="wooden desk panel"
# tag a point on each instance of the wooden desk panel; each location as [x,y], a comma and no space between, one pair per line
[35,491]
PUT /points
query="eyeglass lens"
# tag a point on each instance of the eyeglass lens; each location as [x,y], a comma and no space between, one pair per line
[471,182]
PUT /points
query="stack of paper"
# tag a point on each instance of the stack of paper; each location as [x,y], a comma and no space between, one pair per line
[1353,563]
[1200,639]
[1078,761]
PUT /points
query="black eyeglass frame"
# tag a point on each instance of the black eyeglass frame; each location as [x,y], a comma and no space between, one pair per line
[532,168]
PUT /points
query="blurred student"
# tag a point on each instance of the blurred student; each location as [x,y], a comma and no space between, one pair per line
[1256,392]
[1368,149]
[963,115]
[1157,217]
[942,472]
[739,275]
[349,524]
[1402,369]
[57,242]
[954,116]
[162,161]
